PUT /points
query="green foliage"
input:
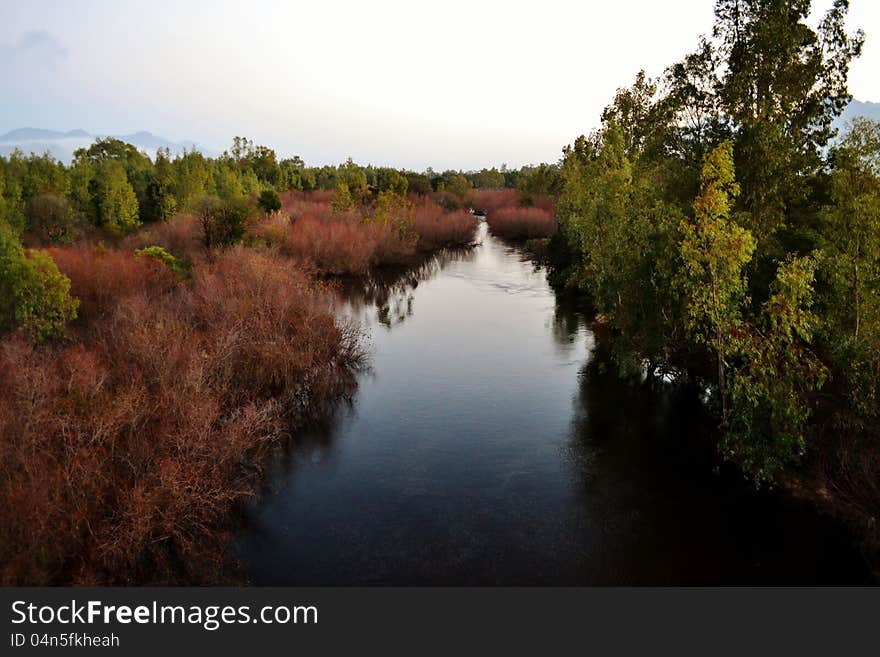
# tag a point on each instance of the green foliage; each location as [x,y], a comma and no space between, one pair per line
[269,201]
[391,209]
[51,218]
[487,179]
[223,221]
[782,86]
[851,271]
[116,201]
[192,179]
[342,201]
[160,201]
[541,180]
[776,376]
[710,275]
[353,177]
[715,252]
[391,180]
[34,295]
[458,185]
[160,254]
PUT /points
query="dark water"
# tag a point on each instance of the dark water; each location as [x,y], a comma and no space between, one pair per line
[489,444]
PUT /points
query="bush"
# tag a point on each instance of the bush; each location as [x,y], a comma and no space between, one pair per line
[161,255]
[124,454]
[489,200]
[34,295]
[521,223]
[99,278]
[269,201]
[437,228]
[223,222]
[51,219]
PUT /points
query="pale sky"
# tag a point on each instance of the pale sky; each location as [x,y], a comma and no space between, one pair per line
[458,84]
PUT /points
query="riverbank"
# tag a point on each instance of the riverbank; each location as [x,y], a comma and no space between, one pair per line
[129,446]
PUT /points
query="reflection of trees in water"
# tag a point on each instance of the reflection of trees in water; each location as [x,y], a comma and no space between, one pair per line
[571,316]
[391,289]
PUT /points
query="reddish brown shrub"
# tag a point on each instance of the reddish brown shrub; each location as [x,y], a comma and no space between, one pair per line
[316,204]
[437,228]
[521,223]
[99,278]
[122,456]
[181,235]
[488,200]
[338,244]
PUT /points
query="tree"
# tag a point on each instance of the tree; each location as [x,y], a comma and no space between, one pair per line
[82,174]
[458,185]
[223,222]
[269,201]
[192,179]
[776,375]
[853,224]
[342,201]
[51,218]
[353,176]
[715,252]
[393,210]
[116,201]
[782,86]
[391,180]
[34,295]
[137,166]
[160,200]
[851,268]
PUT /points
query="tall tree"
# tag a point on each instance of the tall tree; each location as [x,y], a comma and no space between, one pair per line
[782,85]
[715,252]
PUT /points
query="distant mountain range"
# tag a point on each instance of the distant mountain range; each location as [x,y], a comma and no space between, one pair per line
[859,108]
[63,144]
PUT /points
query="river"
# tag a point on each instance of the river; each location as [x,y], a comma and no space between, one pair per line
[490,442]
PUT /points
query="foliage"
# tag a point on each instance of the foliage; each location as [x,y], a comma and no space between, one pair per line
[117,205]
[342,200]
[51,219]
[269,201]
[160,254]
[223,222]
[776,376]
[34,295]
[715,252]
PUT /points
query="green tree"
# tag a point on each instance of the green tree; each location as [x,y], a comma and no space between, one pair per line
[269,201]
[851,268]
[160,200]
[223,221]
[34,295]
[782,85]
[116,201]
[342,201]
[776,376]
[394,210]
[51,219]
[715,252]
[354,177]
[391,180]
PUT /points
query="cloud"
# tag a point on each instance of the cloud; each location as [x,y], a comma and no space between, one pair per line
[34,51]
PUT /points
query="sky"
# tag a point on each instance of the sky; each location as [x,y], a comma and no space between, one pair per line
[452,84]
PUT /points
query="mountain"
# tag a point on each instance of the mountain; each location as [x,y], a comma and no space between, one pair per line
[63,144]
[859,108]
[37,134]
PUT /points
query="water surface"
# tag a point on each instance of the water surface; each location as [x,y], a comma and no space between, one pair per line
[490,443]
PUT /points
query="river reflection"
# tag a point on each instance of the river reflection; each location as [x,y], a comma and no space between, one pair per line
[488,444]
